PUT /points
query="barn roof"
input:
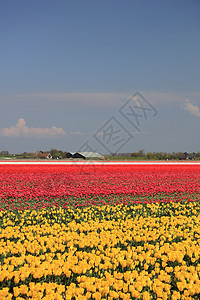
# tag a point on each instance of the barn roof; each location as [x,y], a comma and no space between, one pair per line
[86,154]
[91,154]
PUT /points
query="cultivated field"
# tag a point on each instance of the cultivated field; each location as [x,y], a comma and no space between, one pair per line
[104,230]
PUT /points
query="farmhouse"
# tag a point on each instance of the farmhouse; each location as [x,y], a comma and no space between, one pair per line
[41,154]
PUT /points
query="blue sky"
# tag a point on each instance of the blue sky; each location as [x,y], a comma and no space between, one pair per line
[67,67]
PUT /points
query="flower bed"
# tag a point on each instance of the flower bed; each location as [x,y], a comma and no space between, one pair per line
[62,236]
[145,251]
[41,186]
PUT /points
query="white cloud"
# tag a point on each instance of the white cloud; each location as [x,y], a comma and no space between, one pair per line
[191,108]
[20,129]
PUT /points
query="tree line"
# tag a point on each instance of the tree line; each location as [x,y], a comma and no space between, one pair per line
[159,155]
[140,154]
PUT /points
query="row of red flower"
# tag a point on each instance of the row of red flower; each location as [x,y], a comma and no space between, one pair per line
[56,184]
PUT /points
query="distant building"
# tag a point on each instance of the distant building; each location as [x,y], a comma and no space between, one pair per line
[78,155]
[69,155]
[84,155]
[92,155]
[41,154]
[185,156]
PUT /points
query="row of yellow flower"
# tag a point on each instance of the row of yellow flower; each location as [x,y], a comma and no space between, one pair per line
[145,251]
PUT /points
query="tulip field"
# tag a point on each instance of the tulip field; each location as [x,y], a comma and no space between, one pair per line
[100,231]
